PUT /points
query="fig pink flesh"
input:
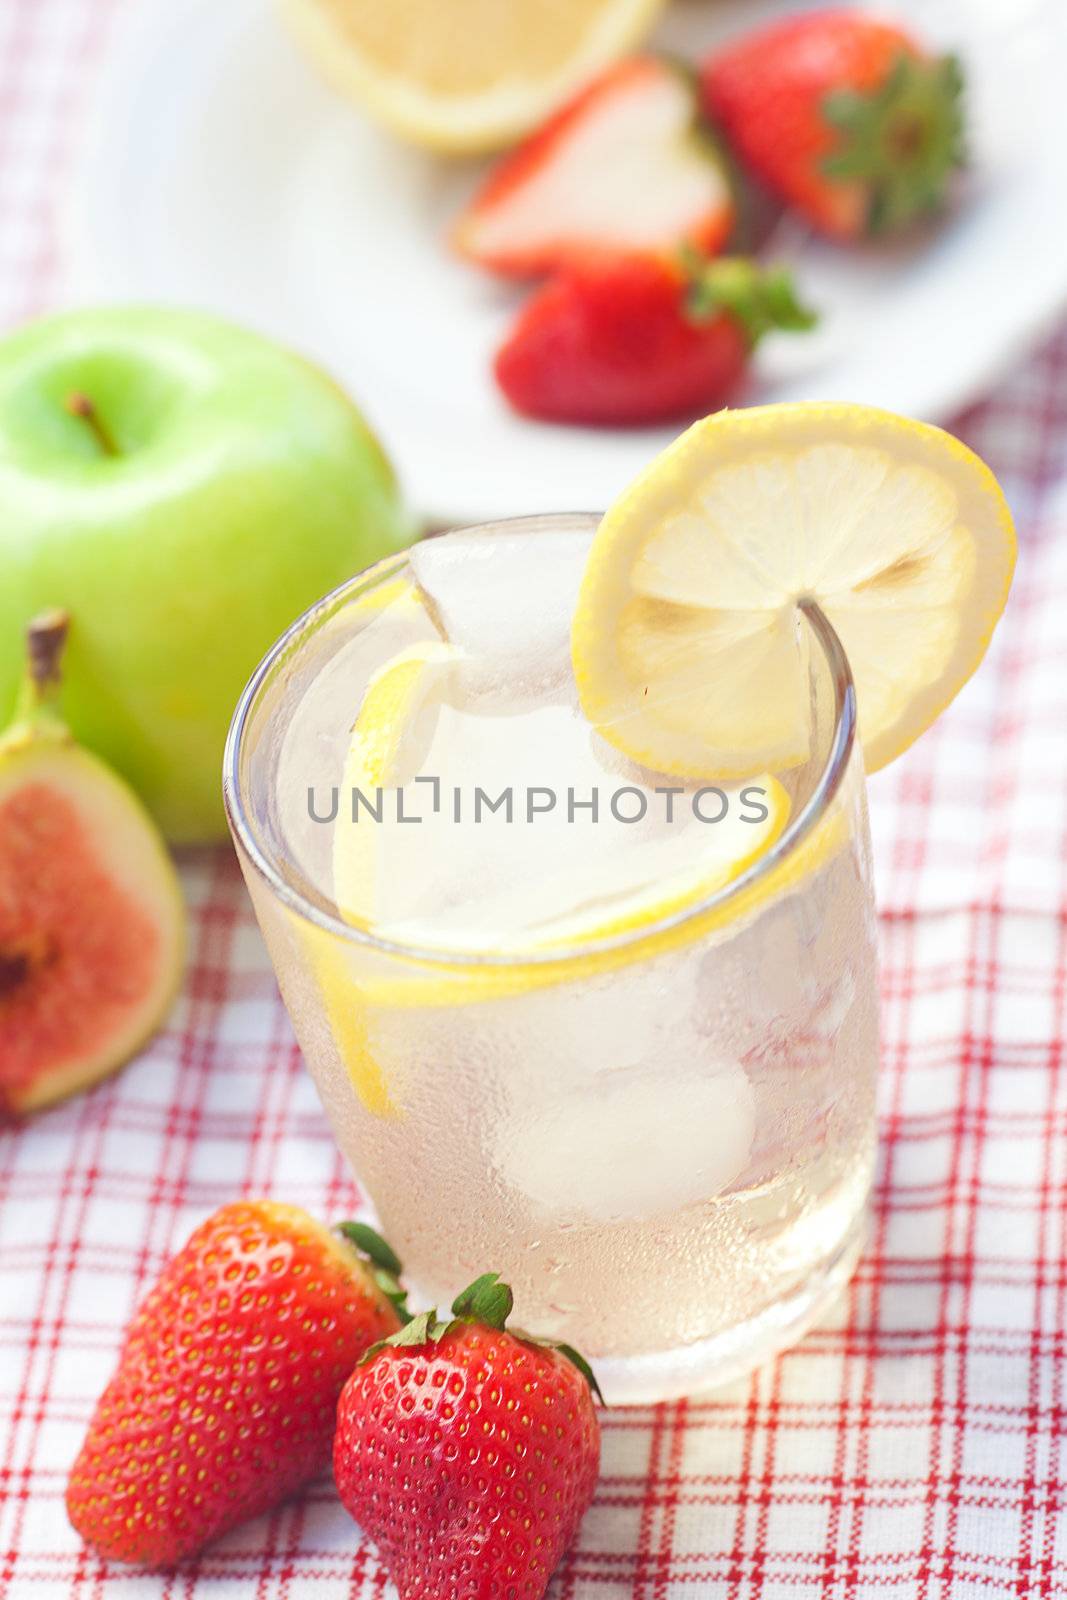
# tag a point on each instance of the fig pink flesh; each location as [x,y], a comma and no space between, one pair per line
[78,954]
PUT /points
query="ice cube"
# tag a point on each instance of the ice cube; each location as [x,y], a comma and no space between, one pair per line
[633,1146]
[471,877]
[507,599]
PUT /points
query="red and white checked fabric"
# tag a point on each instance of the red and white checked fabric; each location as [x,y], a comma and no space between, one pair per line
[913,1445]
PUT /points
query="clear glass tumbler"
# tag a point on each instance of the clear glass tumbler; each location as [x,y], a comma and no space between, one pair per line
[663,1139]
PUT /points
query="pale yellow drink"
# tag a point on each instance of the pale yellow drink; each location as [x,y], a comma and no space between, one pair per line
[662,1138]
[626,1060]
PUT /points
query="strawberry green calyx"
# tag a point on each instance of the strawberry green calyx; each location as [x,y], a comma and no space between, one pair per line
[487,1303]
[902,142]
[758,298]
[486,1300]
[382,1262]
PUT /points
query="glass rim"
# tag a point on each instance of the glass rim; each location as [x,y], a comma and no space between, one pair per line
[796,831]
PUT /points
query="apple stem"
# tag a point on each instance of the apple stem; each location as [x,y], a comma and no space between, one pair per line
[79,405]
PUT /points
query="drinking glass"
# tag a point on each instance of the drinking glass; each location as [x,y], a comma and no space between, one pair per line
[662,1138]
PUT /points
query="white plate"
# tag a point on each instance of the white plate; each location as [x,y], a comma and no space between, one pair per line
[218,171]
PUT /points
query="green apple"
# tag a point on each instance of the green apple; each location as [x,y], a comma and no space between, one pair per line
[184,489]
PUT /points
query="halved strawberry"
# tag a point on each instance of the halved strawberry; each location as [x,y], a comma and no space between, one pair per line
[626,165]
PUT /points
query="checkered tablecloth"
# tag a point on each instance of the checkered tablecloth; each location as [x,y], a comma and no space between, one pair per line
[913,1445]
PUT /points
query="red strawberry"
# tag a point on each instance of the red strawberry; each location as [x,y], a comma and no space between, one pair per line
[844,116]
[638,339]
[467,1453]
[627,165]
[225,1395]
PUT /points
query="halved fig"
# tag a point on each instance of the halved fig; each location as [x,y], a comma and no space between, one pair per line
[92,925]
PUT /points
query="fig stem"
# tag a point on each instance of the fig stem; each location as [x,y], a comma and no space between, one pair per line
[79,405]
[45,637]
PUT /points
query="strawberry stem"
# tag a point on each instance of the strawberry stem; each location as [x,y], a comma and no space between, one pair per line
[758,299]
[486,1302]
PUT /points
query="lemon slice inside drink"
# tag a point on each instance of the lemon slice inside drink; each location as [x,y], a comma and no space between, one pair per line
[686,647]
[542,887]
[398,704]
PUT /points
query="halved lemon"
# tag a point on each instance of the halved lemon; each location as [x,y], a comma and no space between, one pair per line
[465,74]
[686,646]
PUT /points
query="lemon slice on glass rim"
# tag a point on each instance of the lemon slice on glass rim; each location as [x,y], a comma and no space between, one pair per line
[688,657]
[685,646]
